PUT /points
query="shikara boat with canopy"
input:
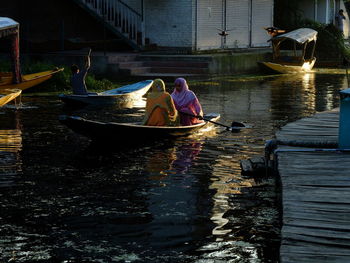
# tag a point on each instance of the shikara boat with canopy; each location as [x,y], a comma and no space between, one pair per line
[9,29]
[125,133]
[303,42]
[9,95]
[123,94]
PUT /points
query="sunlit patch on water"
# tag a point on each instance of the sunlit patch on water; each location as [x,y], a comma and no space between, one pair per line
[18,245]
[229,251]
[21,106]
[10,160]
[126,258]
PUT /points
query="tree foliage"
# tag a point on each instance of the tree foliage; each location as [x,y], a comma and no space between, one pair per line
[330,41]
[287,13]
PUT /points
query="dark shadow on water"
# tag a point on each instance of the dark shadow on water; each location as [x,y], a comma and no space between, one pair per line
[69,200]
[105,147]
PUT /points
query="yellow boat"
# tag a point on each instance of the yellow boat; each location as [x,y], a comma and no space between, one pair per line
[28,81]
[6,98]
[9,80]
[289,68]
[303,41]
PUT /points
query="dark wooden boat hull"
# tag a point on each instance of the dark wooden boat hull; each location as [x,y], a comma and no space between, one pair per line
[127,132]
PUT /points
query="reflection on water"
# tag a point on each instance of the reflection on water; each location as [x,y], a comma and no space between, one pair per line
[63,200]
[10,160]
[175,160]
[176,197]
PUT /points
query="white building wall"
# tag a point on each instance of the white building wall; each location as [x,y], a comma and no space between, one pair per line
[134,4]
[346,22]
[194,24]
[309,9]
[210,21]
[324,11]
[238,22]
[331,11]
[169,23]
[245,20]
[262,16]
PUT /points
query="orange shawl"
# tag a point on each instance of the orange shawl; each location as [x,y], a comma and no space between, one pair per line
[160,108]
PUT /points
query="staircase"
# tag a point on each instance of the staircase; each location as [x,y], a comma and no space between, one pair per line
[128,24]
[162,65]
[119,18]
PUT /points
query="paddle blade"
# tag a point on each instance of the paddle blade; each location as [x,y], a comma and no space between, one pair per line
[236,124]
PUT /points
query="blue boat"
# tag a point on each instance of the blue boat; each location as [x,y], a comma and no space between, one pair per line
[123,94]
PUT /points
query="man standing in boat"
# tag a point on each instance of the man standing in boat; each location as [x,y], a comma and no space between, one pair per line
[339,20]
[78,77]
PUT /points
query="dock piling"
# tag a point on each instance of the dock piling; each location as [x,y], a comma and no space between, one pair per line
[344,119]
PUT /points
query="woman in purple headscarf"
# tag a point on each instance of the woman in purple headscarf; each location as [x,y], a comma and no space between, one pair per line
[186,103]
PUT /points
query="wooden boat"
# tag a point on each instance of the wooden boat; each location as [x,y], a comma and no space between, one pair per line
[125,93]
[28,80]
[11,95]
[303,41]
[15,80]
[125,133]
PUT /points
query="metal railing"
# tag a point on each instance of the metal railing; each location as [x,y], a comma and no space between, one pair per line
[120,16]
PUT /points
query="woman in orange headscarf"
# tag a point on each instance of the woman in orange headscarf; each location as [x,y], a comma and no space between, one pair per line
[160,108]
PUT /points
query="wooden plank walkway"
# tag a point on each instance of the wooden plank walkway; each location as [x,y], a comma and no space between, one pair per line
[315,193]
[322,127]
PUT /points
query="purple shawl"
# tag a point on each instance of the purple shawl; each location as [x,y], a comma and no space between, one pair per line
[183,97]
[186,101]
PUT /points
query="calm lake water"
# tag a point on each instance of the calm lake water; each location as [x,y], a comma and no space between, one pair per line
[65,200]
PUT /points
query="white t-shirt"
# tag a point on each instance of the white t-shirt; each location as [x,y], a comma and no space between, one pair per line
[339,21]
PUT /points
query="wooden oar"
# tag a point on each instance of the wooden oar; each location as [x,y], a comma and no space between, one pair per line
[234,126]
[89,52]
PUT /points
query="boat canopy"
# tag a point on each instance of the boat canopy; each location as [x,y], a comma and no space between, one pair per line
[301,35]
[8,27]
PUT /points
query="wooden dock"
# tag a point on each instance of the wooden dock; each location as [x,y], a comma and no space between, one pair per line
[315,192]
